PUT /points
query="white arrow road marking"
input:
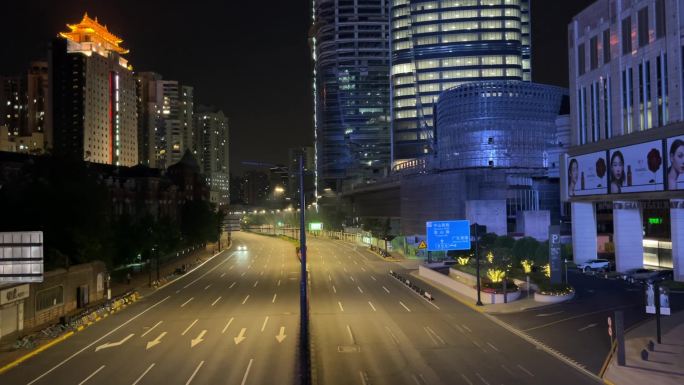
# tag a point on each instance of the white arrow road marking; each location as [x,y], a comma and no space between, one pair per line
[263,326]
[240,337]
[245,300]
[198,339]
[281,336]
[217,299]
[189,327]
[371,305]
[387,290]
[340,304]
[150,329]
[402,304]
[91,376]
[231,285]
[550,314]
[244,378]
[186,302]
[143,375]
[114,344]
[274,298]
[156,341]
[194,373]
[227,325]
[586,327]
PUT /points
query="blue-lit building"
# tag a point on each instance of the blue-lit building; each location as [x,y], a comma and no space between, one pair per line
[350,45]
[440,44]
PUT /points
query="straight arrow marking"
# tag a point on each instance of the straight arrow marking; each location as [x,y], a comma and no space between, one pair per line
[240,337]
[113,344]
[281,336]
[156,341]
[198,339]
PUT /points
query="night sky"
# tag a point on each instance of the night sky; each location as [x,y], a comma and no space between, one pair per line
[249,58]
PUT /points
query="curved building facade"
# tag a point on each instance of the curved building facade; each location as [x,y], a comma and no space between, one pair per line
[439,44]
[500,124]
[350,43]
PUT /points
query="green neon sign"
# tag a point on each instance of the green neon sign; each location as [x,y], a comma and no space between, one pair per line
[315,226]
[655,221]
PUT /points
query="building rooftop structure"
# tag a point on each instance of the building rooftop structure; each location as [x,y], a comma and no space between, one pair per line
[90,36]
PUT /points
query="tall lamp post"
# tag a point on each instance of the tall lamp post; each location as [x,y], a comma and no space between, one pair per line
[475,228]
[305,361]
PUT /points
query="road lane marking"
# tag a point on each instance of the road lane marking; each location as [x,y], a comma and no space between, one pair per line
[209,271]
[240,337]
[189,327]
[340,304]
[373,278]
[194,373]
[351,335]
[507,370]
[198,339]
[231,285]
[478,345]
[245,300]
[329,277]
[434,336]
[97,340]
[419,380]
[386,289]
[178,291]
[208,286]
[150,329]
[281,336]
[345,270]
[155,341]
[577,316]
[278,282]
[274,298]
[394,337]
[334,290]
[231,267]
[460,329]
[227,325]
[586,327]
[217,299]
[222,275]
[114,344]
[482,379]
[359,287]
[466,379]
[91,376]
[364,377]
[143,375]
[466,328]
[550,314]
[356,263]
[256,283]
[263,326]
[371,305]
[525,370]
[186,302]
[244,378]
[402,304]
[243,274]
[493,347]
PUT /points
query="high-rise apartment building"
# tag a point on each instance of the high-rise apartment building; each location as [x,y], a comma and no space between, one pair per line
[93,96]
[350,45]
[212,152]
[165,120]
[624,175]
[38,112]
[439,44]
[13,104]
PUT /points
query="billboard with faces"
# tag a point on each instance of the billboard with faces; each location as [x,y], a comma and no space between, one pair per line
[674,159]
[587,175]
[636,168]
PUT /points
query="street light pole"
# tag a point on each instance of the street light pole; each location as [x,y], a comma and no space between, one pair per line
[477,258]
[305,358]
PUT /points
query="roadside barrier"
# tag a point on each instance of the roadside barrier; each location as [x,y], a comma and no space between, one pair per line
[412,286]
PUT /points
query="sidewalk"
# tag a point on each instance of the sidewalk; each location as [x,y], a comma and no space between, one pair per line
[665,365]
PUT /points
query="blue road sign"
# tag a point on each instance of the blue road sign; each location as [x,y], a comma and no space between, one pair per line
[448,235]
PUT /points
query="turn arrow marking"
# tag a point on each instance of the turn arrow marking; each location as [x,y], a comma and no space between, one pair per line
[156,341]
[241,337]
[198,339]
[113,344]
[281,336]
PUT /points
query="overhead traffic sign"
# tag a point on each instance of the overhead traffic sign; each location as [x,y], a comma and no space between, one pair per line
[448,235]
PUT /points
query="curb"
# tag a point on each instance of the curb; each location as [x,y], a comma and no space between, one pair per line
[533,341]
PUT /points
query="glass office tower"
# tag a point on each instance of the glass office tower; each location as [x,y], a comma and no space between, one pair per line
[439,44]
[350,44]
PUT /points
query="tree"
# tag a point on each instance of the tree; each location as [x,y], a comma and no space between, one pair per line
[525,249]
[200,223]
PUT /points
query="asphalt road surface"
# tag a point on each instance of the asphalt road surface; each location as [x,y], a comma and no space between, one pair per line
[234,320]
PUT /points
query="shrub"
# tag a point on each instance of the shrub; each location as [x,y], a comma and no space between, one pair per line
[547,288]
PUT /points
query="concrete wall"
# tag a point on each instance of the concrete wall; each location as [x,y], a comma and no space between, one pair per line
[491,213]
[463,289]
[534,224]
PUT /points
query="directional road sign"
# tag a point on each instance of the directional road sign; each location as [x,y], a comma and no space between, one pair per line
[448,235]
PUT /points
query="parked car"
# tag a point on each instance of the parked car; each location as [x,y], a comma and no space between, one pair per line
[662,275]
[594,265]
[639,274]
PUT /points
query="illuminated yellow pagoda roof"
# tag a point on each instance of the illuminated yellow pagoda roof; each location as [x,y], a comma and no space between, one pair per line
[91,31]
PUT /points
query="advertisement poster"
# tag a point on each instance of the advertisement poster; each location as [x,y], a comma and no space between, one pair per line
[675,163]
[587,174]
[637,168]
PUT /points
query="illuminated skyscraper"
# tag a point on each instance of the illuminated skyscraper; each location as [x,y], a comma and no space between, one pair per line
[211,151]
[439,44]
[94,96]
[350,44]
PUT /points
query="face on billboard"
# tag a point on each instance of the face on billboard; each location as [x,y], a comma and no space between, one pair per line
[675,163]
[636,168]
[587,175]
